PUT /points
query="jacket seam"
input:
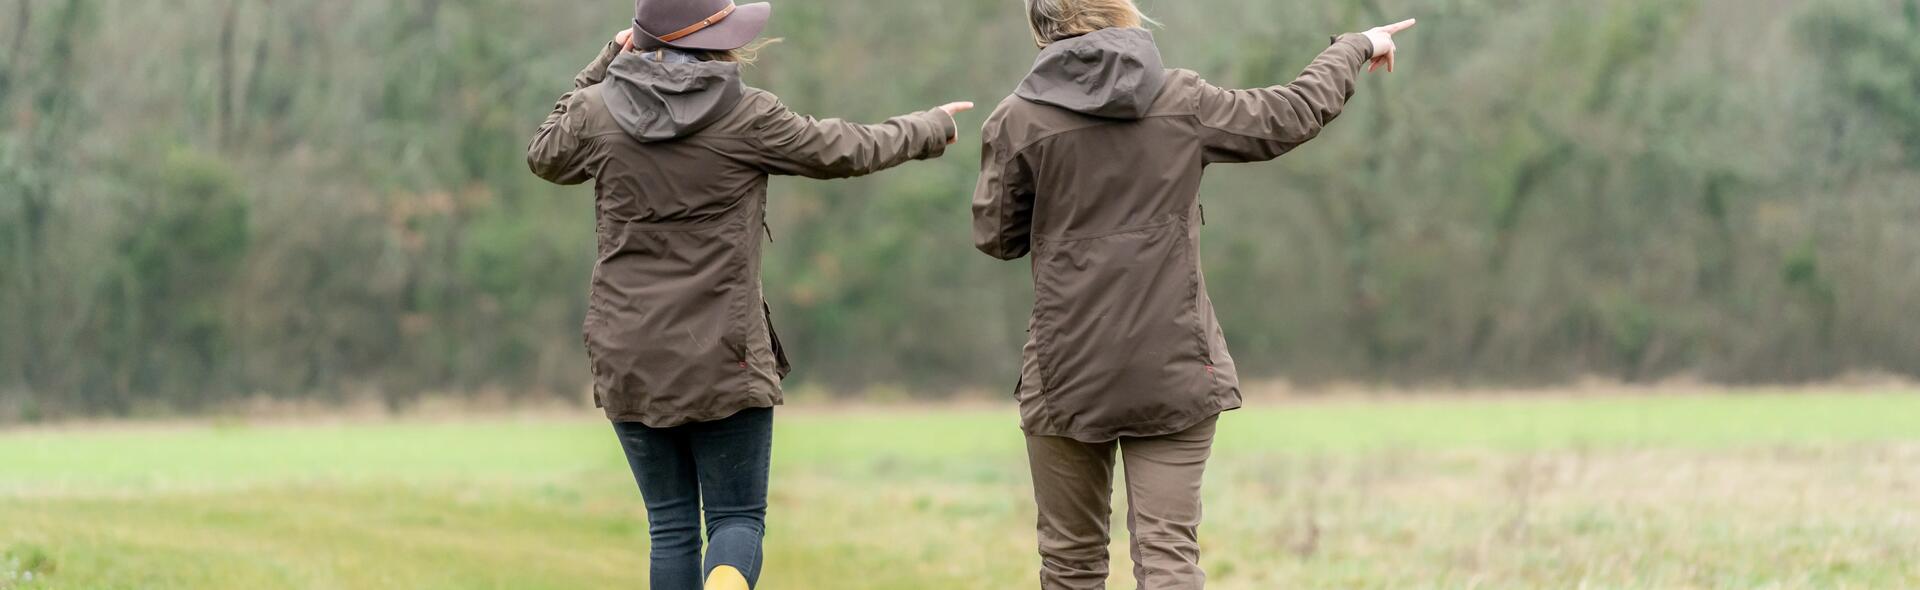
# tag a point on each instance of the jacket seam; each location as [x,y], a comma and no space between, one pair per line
[725,217]
[1052,134]
[1001,203]
[1113,232]
[1197,120]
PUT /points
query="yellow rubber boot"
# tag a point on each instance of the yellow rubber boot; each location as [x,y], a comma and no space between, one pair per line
[726,578]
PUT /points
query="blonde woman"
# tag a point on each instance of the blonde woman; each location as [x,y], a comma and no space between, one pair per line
[684,357]
[1093,167]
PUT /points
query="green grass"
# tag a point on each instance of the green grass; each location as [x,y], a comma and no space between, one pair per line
[1744,491]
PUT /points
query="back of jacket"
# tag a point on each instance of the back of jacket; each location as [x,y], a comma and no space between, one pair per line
[677,329]
[1094,167]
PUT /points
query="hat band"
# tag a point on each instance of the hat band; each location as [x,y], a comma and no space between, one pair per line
[696,27]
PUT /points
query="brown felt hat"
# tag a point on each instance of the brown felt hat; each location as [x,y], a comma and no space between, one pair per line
[699,24]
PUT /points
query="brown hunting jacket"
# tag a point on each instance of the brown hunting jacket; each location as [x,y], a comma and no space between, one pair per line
[1093,166]
[679,151]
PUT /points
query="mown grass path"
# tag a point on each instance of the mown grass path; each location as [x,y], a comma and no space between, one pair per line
[1733,491]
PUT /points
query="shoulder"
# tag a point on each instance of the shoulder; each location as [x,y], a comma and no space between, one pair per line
[1182,79]
[1006,108]
[757,106]
[1009,109]
[757,111]
[1005,126]
[1181,92]
[755,100]
[1017,123]
[589,109]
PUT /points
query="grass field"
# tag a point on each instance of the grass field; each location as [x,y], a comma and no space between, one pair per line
[1706,491]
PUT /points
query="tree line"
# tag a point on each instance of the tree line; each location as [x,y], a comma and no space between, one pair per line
[207,200]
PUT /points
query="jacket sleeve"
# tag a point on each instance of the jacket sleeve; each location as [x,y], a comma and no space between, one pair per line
[555,153]
[1002,202]
[1261,124]
[794,144]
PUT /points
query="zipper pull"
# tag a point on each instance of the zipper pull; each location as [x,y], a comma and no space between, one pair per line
[1203,215]
[769,228]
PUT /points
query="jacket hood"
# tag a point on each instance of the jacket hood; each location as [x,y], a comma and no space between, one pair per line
[1114,73]
[658,96]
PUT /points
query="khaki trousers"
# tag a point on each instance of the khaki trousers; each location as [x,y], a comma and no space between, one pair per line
[1073,486]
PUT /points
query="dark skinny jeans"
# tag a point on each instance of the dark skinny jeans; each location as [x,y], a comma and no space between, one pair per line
[721,464]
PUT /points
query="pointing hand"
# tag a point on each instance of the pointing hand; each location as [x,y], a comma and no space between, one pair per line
[1383,47]
[955,108]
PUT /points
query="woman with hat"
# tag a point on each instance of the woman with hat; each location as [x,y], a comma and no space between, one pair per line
[683,352]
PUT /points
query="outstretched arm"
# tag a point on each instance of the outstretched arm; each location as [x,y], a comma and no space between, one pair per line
[796,144]
[1261,124]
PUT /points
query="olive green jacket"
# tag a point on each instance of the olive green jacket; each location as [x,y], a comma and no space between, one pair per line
[679,151]
[1093,166]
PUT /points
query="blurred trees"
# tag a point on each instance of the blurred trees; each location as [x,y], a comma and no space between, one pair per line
[1873,60]
[213,199]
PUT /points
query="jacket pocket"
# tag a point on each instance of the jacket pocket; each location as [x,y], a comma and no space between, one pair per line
[781,365]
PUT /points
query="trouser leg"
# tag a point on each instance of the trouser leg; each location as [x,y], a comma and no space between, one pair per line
[1163,475]
[1073,489]
[662,465]
[732,456]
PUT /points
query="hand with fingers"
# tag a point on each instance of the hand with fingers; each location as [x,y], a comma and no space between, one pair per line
[625,39]
[1383,47]
[955,108]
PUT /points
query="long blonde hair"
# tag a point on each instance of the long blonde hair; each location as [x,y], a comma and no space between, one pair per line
[1053,20]
[745,55]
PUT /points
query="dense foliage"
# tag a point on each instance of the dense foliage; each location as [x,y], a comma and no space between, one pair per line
[211,199]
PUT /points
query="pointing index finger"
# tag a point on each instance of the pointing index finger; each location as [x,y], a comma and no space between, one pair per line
[1395,28]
